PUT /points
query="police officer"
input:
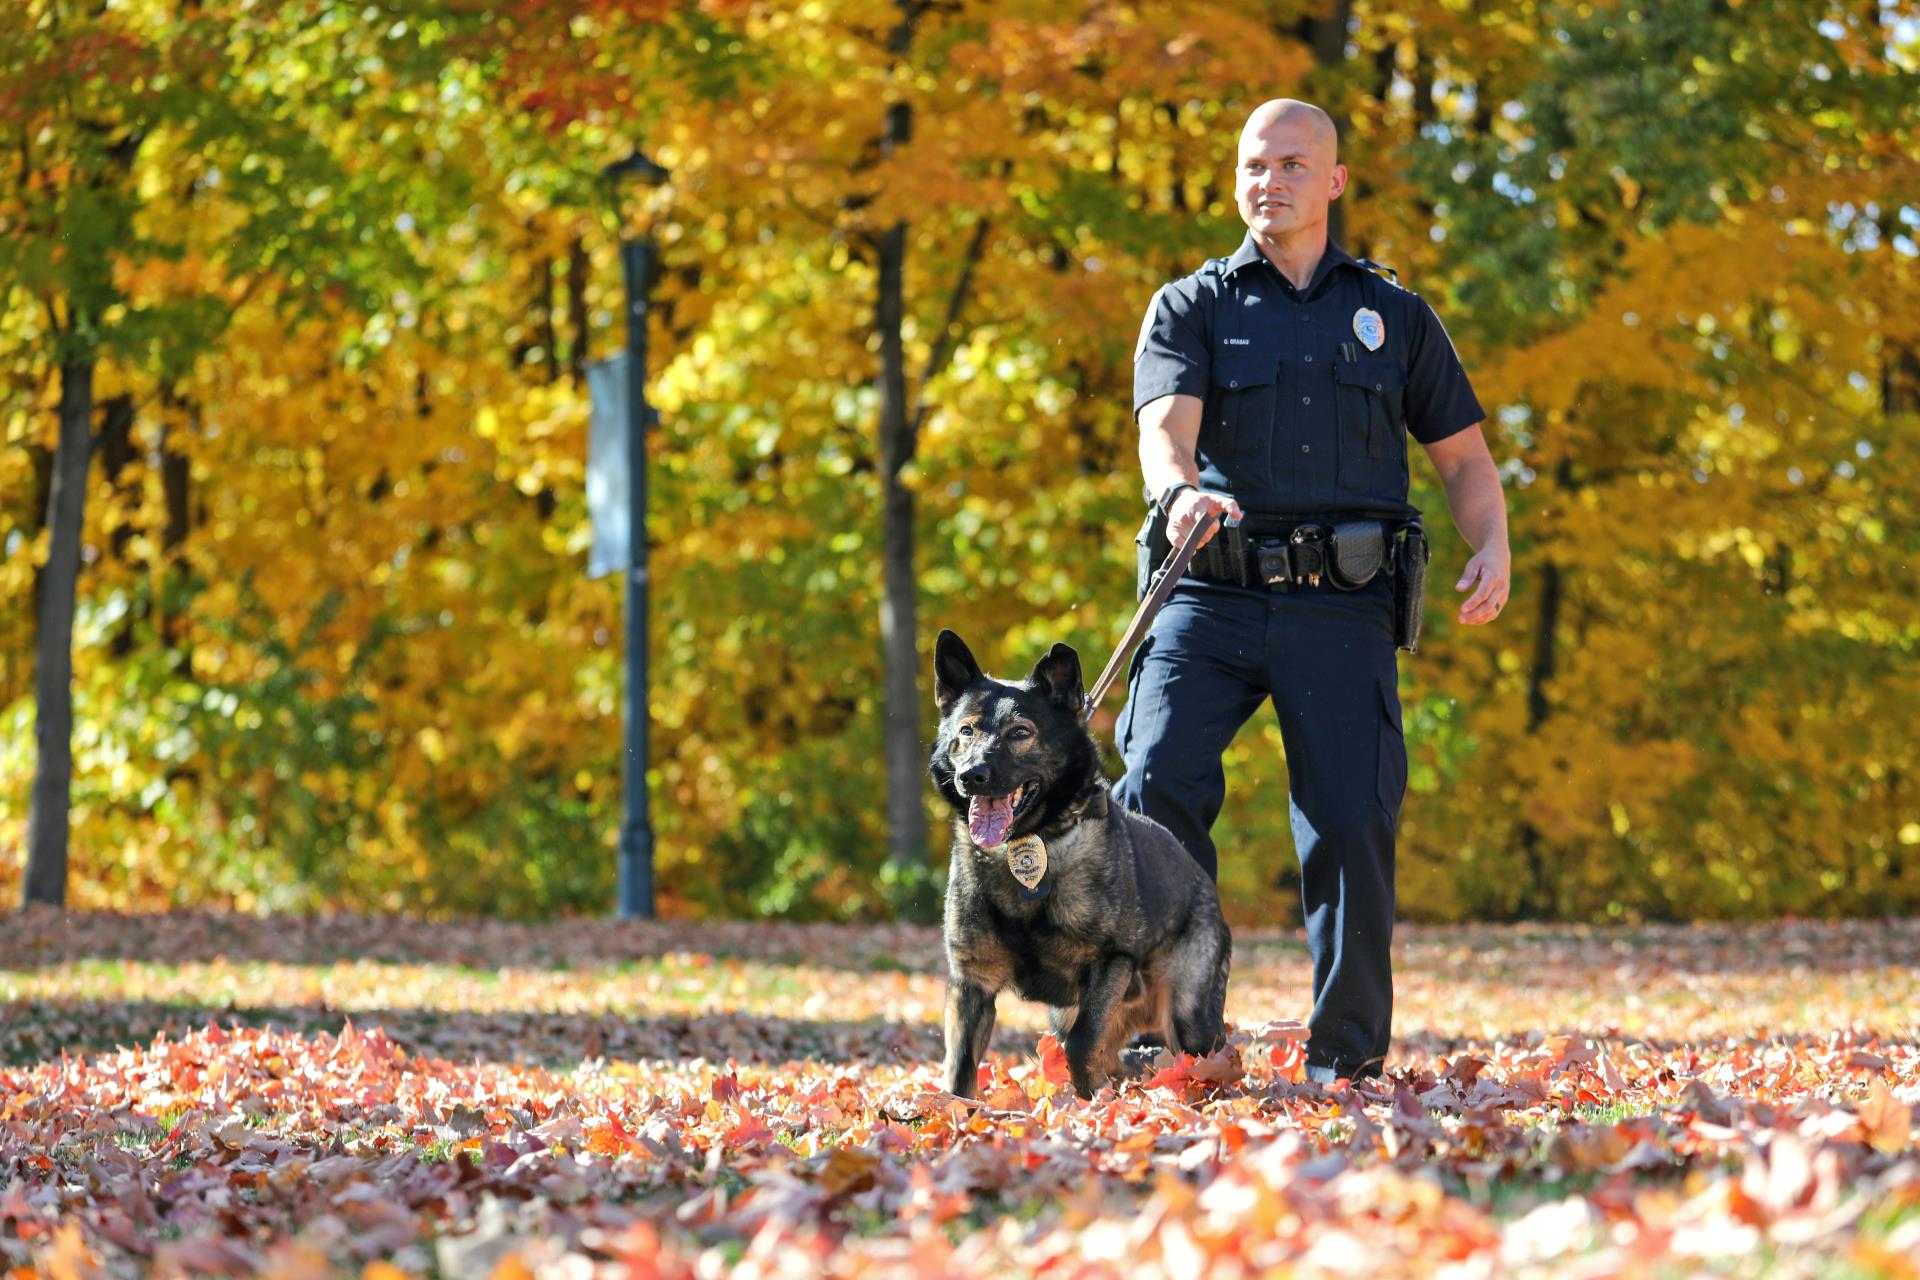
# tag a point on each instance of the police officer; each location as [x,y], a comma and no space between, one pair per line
[1277,387]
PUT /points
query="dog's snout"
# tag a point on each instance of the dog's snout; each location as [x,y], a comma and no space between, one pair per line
[974,776]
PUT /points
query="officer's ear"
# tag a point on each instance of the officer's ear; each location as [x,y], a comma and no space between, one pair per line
[953,669]
[1058,677]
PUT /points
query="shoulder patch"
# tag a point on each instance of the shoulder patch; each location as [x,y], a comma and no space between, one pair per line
[1384,271]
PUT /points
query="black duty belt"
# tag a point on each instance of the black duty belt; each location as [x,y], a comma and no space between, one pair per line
[1346,555]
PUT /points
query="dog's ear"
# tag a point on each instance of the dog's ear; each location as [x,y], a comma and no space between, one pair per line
[953,669]
[1058,677]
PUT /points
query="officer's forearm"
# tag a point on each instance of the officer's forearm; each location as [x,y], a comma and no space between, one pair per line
[1169,432]
[1478,503]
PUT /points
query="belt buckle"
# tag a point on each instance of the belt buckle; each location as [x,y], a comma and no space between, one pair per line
[1310,552]
[1276,570]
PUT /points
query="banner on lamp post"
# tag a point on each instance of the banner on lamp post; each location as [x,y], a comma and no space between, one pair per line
[609,482]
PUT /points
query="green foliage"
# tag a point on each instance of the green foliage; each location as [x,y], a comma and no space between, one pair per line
[277,756]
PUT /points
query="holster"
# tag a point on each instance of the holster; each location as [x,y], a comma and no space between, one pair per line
[1151,549]
[1225,557]
[1409,585]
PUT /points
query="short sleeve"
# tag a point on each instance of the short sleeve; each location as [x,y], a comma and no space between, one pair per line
[1172,356]
[1440,400]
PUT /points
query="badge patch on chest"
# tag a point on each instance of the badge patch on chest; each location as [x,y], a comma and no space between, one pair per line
[1369,328]
[1027,859]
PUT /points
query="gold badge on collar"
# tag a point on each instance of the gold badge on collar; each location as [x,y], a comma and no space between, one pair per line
[1027,859]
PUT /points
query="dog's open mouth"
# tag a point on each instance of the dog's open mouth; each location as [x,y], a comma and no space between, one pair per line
[989,818]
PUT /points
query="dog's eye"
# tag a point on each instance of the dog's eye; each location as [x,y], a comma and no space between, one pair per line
[1019,733]
[965,731]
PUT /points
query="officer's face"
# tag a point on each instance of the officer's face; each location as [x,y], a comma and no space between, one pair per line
[1286,178]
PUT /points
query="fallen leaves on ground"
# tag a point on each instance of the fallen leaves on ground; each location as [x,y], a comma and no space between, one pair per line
[217,1095]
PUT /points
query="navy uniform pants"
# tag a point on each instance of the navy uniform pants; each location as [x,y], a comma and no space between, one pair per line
[1326,660]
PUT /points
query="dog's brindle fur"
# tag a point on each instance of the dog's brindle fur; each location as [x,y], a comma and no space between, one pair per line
[1127,936]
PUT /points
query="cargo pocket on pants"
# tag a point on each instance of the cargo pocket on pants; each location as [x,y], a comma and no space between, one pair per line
[1390,777]
[1123,730]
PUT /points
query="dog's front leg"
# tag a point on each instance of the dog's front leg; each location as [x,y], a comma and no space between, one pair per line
[1087,1048]
[969,1030]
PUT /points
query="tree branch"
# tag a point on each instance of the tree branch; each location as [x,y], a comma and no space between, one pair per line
[945,343]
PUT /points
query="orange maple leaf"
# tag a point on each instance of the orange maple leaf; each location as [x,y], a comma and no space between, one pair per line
[1053,1062]
[611,1139]
[1289,1059]
[1175,1076]
[1887,1121]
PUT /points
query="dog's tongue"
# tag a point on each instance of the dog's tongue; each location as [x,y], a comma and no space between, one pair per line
[988,818]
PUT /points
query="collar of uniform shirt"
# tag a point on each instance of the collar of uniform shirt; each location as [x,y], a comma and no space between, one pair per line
[1249,253]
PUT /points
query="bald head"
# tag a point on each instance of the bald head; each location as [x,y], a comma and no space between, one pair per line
[1288,173]
[1293,120]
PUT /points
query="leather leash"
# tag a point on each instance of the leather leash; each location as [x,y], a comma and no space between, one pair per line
[1158,590]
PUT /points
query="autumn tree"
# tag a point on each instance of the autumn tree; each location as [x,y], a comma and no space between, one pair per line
[1692,328]
[110,105]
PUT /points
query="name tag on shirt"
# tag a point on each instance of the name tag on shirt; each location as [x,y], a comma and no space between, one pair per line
[1238,342]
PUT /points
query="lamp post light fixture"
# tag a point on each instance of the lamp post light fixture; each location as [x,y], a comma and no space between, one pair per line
[633,189]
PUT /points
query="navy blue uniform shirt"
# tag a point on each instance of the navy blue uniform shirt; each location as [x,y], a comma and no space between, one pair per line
[1310,393]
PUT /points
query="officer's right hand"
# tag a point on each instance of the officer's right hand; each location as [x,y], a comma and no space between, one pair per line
[1190,506]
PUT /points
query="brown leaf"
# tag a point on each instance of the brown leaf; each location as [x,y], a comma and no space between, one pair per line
[1221,1067]
[1888,1122]
[849,1171]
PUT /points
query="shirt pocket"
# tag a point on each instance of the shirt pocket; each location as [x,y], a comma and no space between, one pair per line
[1239,421]
[1371,396]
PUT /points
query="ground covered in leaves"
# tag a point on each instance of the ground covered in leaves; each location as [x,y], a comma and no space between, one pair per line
[228,1095]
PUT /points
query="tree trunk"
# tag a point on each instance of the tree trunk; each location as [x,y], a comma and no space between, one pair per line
[46,878]
[1328,38]
[899,612]
[171,584]
[114,447]
[1536,895]
[42,498]
[577,268]
[899,626]
[1899,380]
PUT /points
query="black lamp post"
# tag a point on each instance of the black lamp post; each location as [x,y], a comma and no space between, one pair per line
[631,182]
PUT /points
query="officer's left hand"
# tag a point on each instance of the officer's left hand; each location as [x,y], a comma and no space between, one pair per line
[1490,576]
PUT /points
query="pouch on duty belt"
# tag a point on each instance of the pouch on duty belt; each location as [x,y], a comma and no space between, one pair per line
[1358,552]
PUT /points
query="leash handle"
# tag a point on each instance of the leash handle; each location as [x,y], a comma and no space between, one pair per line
[1158,590]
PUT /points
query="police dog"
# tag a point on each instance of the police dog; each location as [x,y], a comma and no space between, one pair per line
[1055,889]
